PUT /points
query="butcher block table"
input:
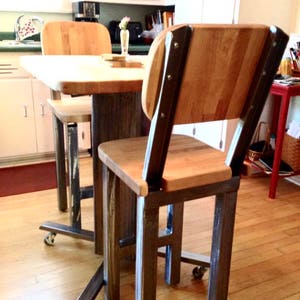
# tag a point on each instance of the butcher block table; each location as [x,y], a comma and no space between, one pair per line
[116,111]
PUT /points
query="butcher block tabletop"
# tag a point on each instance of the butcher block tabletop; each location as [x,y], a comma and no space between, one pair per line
[81,75]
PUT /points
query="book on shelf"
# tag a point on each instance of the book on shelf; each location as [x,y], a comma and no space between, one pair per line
[167,18]
[266,162]
[261,166]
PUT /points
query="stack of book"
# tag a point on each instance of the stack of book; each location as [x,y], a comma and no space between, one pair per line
[266,164]
[168,17]
[164,17]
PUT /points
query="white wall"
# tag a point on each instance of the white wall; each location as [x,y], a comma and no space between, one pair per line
[283,13]
[188,11]
[64,6]
[269,12]
[8,19]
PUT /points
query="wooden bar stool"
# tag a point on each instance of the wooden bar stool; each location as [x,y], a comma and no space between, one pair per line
[71,38]
[196,73]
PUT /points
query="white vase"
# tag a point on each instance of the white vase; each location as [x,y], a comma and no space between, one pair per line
[124,39]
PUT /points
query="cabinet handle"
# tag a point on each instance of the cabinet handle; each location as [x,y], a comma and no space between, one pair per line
[25,111]
[42,109]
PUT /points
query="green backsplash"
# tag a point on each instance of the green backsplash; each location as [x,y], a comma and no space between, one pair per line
[137,13]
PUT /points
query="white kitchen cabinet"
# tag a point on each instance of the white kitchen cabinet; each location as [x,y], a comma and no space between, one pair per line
[25,120]
[83,128]
[43,117]
[205,11]
[17,129]
[84,136]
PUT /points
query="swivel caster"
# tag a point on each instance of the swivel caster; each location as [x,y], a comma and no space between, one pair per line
[49,238]
[199,271]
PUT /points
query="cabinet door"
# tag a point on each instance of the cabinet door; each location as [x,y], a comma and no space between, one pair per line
[212,133]
[43,117]
[17,130]
[205,11]
[84,135]
[219,11]
[83,128]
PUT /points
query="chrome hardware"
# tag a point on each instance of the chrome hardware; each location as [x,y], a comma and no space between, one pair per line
[25,111]
[42,109]
[17,28]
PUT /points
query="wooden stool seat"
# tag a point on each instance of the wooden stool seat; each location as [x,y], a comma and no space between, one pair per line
[72,110]
[195,73]
[126,158]
[71,38]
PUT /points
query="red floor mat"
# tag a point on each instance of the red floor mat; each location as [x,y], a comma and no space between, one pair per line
[28,178]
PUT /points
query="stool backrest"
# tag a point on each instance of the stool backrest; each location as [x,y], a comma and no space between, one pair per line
[199,73]
[75,38]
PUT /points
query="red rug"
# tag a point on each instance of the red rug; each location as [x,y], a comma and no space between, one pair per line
[27,178]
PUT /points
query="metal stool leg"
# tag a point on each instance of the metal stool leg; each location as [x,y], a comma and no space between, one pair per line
[74,230]
[60,164]
[73,170]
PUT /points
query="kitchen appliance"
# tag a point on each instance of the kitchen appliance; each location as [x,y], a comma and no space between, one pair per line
[86,11]
[135,31]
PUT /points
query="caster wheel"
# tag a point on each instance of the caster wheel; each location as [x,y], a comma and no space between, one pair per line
[49,239]
[198,272]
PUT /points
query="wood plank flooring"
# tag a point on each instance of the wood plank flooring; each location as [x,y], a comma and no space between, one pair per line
[265,261]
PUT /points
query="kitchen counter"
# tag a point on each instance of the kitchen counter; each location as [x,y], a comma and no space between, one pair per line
[133,49]
[8,44]
[12,46]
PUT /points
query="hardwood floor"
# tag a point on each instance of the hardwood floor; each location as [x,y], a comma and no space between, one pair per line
[265,260]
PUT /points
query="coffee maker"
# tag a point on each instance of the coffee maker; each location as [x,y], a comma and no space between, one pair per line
[86,11]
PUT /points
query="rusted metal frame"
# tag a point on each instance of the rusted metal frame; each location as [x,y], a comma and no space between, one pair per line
[162,198]
[222,190]
[258,92]
[221,248]
[174,247]
[73,171]
[58,133]
[177,45]
[94,286]
[111,234]
[146,250]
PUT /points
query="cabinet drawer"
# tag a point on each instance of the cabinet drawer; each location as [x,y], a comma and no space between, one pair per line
[10,68]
